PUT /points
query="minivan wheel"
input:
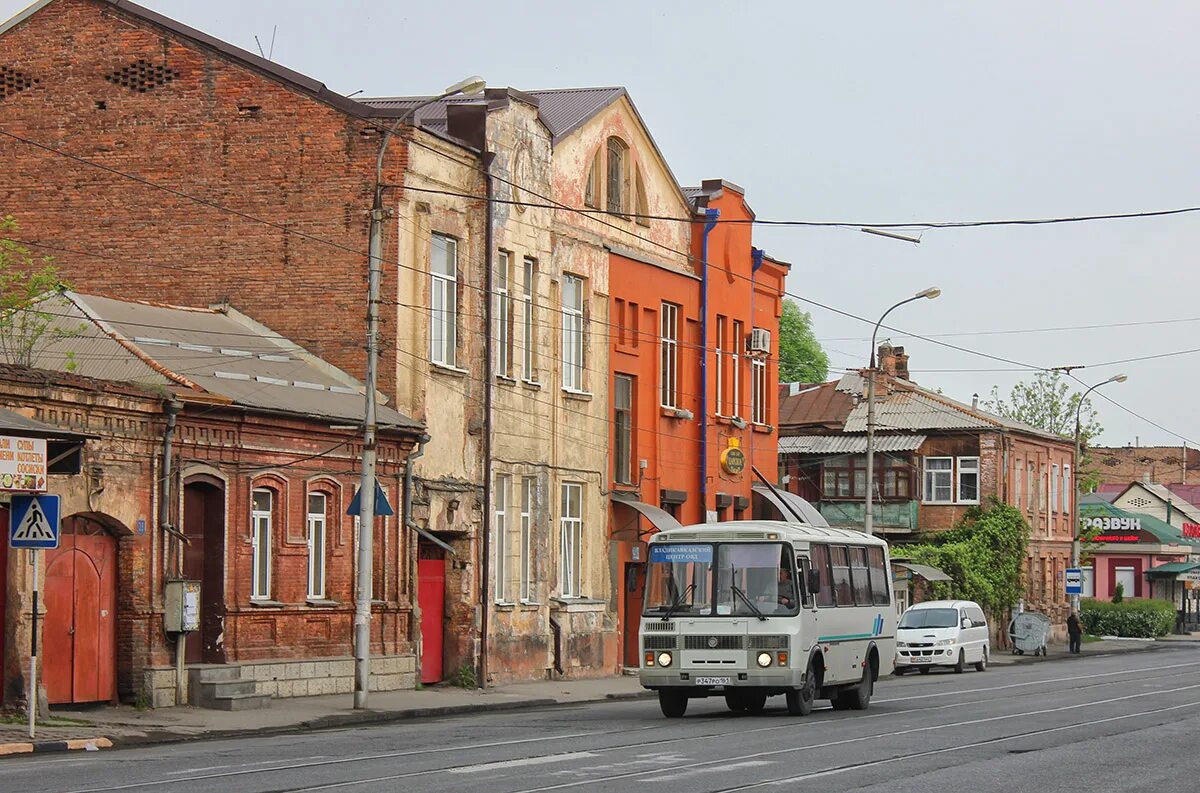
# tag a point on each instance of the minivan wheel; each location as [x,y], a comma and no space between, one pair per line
[981,665]
[962,662]
[673,703]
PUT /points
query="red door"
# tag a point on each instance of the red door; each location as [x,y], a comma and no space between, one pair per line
[431,595]
[3,591]
[79,635]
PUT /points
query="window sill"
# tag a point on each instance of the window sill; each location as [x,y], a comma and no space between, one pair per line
[504,605]
[446,369]
[266,604]
[580,605]
[533,385]
[505,379]
[529,605]
[949,503]
[765,428]
[322,603]
[578,396]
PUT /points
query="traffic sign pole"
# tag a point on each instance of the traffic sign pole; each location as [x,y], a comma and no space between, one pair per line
[33,655]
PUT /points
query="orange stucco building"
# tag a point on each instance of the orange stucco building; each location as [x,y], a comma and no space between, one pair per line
[694,368]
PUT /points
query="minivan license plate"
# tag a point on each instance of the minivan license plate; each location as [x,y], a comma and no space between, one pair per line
[713,681]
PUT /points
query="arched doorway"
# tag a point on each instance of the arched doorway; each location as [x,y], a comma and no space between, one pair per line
[80,631]
[204,561]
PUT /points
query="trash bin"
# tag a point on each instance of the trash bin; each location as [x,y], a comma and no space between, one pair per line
[1029,632]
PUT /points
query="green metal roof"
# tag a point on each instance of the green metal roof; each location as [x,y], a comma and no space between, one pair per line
[1165,532]
[1171,569]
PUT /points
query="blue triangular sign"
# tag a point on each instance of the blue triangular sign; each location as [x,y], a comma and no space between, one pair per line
[382,506]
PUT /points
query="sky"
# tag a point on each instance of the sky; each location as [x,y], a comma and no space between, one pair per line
[870,113]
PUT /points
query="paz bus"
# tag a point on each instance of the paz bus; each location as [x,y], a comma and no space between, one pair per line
[754,609]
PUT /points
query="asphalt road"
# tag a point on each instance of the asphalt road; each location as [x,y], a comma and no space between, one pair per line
[1117,723]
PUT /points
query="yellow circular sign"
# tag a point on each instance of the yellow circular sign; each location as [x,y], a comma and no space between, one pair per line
[733,460]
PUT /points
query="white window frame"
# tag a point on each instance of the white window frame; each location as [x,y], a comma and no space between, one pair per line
[1087,581]
[1132,571]
[571,540]
[929,488]
[503,314]
[443,301]
[528,494]
[735,368]
[1068,492]
[722,324]
[758,391]
[317,538]
[261,532]
[573,352]
[623,431]
[501,496]
[668,359]
[1055,504]
[958,475]
[528,274]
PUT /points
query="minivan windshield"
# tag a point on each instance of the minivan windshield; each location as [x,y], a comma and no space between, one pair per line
[929,618]
[752,580]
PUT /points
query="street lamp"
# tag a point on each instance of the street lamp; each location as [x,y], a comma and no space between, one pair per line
[1117,378]
[868,519]
[366,489]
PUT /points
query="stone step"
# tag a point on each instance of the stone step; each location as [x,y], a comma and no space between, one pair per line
[216,673]
[241,702]
[229,688]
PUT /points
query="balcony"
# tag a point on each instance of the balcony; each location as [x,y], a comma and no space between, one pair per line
[900,516]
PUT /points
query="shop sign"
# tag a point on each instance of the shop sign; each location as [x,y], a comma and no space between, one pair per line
[1191,576]
[1117,538]
[1109,523]
[733,459]
[22,464]
[1191,530]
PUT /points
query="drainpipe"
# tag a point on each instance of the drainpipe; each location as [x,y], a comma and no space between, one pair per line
[406,519]
[489,384]
[710,222]
[756,262]
[171,410]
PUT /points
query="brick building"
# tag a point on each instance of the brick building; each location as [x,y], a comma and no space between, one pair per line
[1117,466]
[262,472]
[935,458]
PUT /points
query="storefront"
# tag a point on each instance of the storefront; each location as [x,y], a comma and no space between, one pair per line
[1123,548]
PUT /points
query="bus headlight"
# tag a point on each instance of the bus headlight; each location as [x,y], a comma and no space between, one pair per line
[664,659]
[764,660]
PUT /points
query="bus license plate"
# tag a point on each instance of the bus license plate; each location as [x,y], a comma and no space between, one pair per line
[713,681]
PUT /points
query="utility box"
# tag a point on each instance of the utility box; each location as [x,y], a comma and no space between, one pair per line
[181,606]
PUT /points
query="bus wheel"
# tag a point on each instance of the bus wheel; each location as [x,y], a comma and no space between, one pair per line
[735,701]
[672,703]
[800,701]
[859,697]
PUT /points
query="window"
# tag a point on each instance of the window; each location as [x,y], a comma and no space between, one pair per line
[617,203]
[1018,478]
[572,309]
[722,322]
[260,537]
[1068,491]
[527,321]
[860,577]
[939,480]
[1031,495]
[1125,578]
[642,208]
[1054,502]
[1088,581]
[669,361]
[501,497]
[735,370]
[528,493]
[843,591]
[316,546]
[758,391]
[591,193]
[820,561]
[571,529]
[879,576]
[897,479]
[968,480]
[443,303]
[623,430]
[503,315]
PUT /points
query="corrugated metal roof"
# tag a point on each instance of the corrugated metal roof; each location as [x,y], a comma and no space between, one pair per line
[913,410]
[847,444]
[823,405]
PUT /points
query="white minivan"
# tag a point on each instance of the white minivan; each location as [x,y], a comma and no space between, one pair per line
[950,633]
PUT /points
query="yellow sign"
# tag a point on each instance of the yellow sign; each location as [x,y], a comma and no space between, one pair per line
[733,459]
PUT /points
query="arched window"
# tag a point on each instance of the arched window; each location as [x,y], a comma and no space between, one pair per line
[617,200]
[317,541]
[591,193]
[642,207]
[262,519]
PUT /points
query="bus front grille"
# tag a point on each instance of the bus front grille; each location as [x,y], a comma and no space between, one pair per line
[713,642]
[658,642]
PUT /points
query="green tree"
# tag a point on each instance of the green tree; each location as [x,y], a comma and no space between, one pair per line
[28,320]
[801,359]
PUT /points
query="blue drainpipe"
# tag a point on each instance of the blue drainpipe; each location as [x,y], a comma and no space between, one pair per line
[710,222]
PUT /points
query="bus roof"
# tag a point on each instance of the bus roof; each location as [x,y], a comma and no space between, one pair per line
[749,530]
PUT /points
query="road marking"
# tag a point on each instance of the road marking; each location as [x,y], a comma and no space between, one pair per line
[986,742]
[542,760]
[691,772]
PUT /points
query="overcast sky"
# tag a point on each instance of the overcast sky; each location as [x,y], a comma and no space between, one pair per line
[871,113]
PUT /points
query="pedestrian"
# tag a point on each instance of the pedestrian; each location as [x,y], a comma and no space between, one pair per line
[1074,633]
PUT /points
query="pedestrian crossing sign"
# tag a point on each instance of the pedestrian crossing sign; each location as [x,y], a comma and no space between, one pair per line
[33,522]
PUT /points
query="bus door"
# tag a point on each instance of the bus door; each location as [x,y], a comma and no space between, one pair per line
[808,607]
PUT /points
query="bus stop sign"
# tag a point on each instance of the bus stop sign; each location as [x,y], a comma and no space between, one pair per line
[1074,581]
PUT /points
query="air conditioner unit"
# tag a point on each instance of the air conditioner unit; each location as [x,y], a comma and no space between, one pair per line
[760,340]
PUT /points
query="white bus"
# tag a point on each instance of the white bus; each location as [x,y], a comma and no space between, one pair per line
[752,609]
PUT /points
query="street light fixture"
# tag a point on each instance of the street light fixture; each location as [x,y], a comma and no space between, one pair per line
[366,489]
[868,518]
[1117,378]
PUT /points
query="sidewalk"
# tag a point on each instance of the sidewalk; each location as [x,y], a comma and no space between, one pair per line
[123,725]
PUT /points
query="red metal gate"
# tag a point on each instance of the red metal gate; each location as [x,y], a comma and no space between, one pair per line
[431,595]
[79,635]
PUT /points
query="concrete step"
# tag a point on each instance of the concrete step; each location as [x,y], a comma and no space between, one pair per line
[229,688]
[241,702]
[215,673]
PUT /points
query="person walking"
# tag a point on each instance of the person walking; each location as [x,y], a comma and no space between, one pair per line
[1074,633]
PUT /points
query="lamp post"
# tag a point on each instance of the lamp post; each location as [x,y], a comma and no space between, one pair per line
[868,518]
[366,490]
[1117,378]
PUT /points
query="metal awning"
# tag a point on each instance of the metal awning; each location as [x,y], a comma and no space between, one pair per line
[923,570]
[659,518]
[1172,569]
[847,444]
[790,505]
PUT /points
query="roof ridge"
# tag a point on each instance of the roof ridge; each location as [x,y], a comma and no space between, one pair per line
[155,304]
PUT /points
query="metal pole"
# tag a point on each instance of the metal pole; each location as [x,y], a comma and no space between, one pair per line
[1075,512]
[868,515]
[33,655]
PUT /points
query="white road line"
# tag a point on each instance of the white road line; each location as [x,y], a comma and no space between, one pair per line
[685,773]
[522,761]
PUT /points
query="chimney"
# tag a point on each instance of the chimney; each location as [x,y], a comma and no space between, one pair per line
[887,359]
[901,363]
[974,401]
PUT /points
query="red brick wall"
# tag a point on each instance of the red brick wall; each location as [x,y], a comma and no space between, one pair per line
[293,161]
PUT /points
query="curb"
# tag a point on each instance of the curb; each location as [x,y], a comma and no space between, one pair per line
[38,747]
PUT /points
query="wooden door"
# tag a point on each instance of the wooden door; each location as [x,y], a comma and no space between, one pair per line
[635,594]
[204,561]
[431,595]
[79,635]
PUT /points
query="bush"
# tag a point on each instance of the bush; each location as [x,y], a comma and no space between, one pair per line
[1130,618]
[1118,593]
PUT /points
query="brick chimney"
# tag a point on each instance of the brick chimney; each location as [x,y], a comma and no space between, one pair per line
[886,358]
[901,363]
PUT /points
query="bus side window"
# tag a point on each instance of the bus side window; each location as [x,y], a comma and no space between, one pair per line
[806,594]
[843,591]
[879,576]
[820,561]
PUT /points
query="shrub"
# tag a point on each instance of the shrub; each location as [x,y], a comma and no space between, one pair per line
[1118,593]
[1130,618]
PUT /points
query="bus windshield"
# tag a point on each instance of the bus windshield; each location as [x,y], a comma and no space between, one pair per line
[752,580]
[929,618]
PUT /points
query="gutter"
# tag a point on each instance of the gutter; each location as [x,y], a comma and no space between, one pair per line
[485,545]
[710,222]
